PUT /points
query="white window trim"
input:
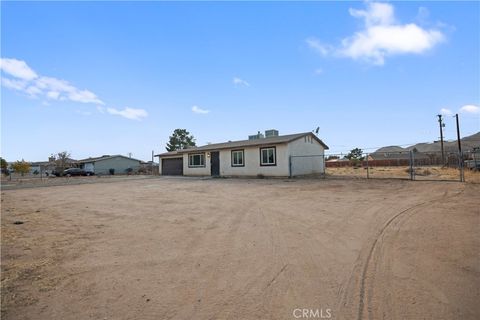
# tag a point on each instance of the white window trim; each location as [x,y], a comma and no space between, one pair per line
[190,155]
[274,163]
[242,152]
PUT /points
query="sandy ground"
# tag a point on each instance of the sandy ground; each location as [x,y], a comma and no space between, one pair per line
[181,248]
[425,173]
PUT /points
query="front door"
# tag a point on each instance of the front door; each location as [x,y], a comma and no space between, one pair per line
[215,163]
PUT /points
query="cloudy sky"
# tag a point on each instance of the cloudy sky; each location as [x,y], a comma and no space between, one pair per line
[100,78]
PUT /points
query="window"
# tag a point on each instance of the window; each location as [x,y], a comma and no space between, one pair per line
[268,156]
[238,158]
[196,160]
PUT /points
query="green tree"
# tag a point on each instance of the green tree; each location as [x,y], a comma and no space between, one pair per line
[4,165]
[21,167]
[180,139]
[355,154]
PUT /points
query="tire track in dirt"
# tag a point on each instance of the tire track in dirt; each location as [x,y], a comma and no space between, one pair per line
[368,269]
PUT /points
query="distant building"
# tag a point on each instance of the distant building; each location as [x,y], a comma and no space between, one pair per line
[107,164]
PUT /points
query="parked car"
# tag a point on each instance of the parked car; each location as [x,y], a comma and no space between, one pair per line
[77,172]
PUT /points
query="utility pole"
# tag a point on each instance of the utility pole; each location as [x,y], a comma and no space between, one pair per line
[151,167]
[460,155]
[442,125]
[458,135]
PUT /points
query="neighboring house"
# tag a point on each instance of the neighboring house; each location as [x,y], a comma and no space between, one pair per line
[50,166]
[103,165]
[42,167]
[270,155]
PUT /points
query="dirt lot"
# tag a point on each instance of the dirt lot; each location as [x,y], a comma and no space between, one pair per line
[425,173]
[180,248]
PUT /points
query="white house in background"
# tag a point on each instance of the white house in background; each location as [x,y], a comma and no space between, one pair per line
[267,155]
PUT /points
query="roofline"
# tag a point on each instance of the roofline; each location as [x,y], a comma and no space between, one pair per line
[105,158]
[165,155]
[261,142]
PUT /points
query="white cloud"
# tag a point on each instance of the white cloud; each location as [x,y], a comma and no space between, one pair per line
[129,113]
[58,89]
[24,79]
[423,14]
[53,95]
[84,96]
[13,84]
[17,68]
[198,110]
[470,108]
[316,45]
[381,37]
[33,91]
[240,82]
[446,112]
[377,13]
[318,71]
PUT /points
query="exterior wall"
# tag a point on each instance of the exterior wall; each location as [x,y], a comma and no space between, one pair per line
[35,168]
[89,166]
[196,171]
[305,165]
[120,164]
[252,162]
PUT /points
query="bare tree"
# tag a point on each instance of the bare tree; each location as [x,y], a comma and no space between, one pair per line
[61,160]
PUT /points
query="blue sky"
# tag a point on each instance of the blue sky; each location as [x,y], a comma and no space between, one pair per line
[99,78]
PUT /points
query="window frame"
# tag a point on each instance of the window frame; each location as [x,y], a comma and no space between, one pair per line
[243,158]
[274,156]
[196,154]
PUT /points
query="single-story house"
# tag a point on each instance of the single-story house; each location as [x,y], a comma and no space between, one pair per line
[103,165]
[261,155]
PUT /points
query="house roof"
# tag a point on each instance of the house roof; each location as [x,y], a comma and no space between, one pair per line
[39,163]
[104,157]
[396,155]
[245,143]
[169,154]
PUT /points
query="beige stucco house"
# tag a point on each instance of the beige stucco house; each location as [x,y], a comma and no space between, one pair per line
[261,155]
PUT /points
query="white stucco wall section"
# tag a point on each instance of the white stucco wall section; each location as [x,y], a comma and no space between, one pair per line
[196,171]
[252,162]
[307,156]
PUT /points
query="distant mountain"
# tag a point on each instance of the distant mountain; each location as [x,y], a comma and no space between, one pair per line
[468,143]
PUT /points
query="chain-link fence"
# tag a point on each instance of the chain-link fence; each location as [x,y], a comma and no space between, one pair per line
[411,165]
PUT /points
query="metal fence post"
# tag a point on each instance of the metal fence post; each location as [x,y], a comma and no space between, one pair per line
[368,168]
[411,165]
[290,166]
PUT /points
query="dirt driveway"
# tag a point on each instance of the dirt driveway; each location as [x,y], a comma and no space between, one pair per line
[242,249]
